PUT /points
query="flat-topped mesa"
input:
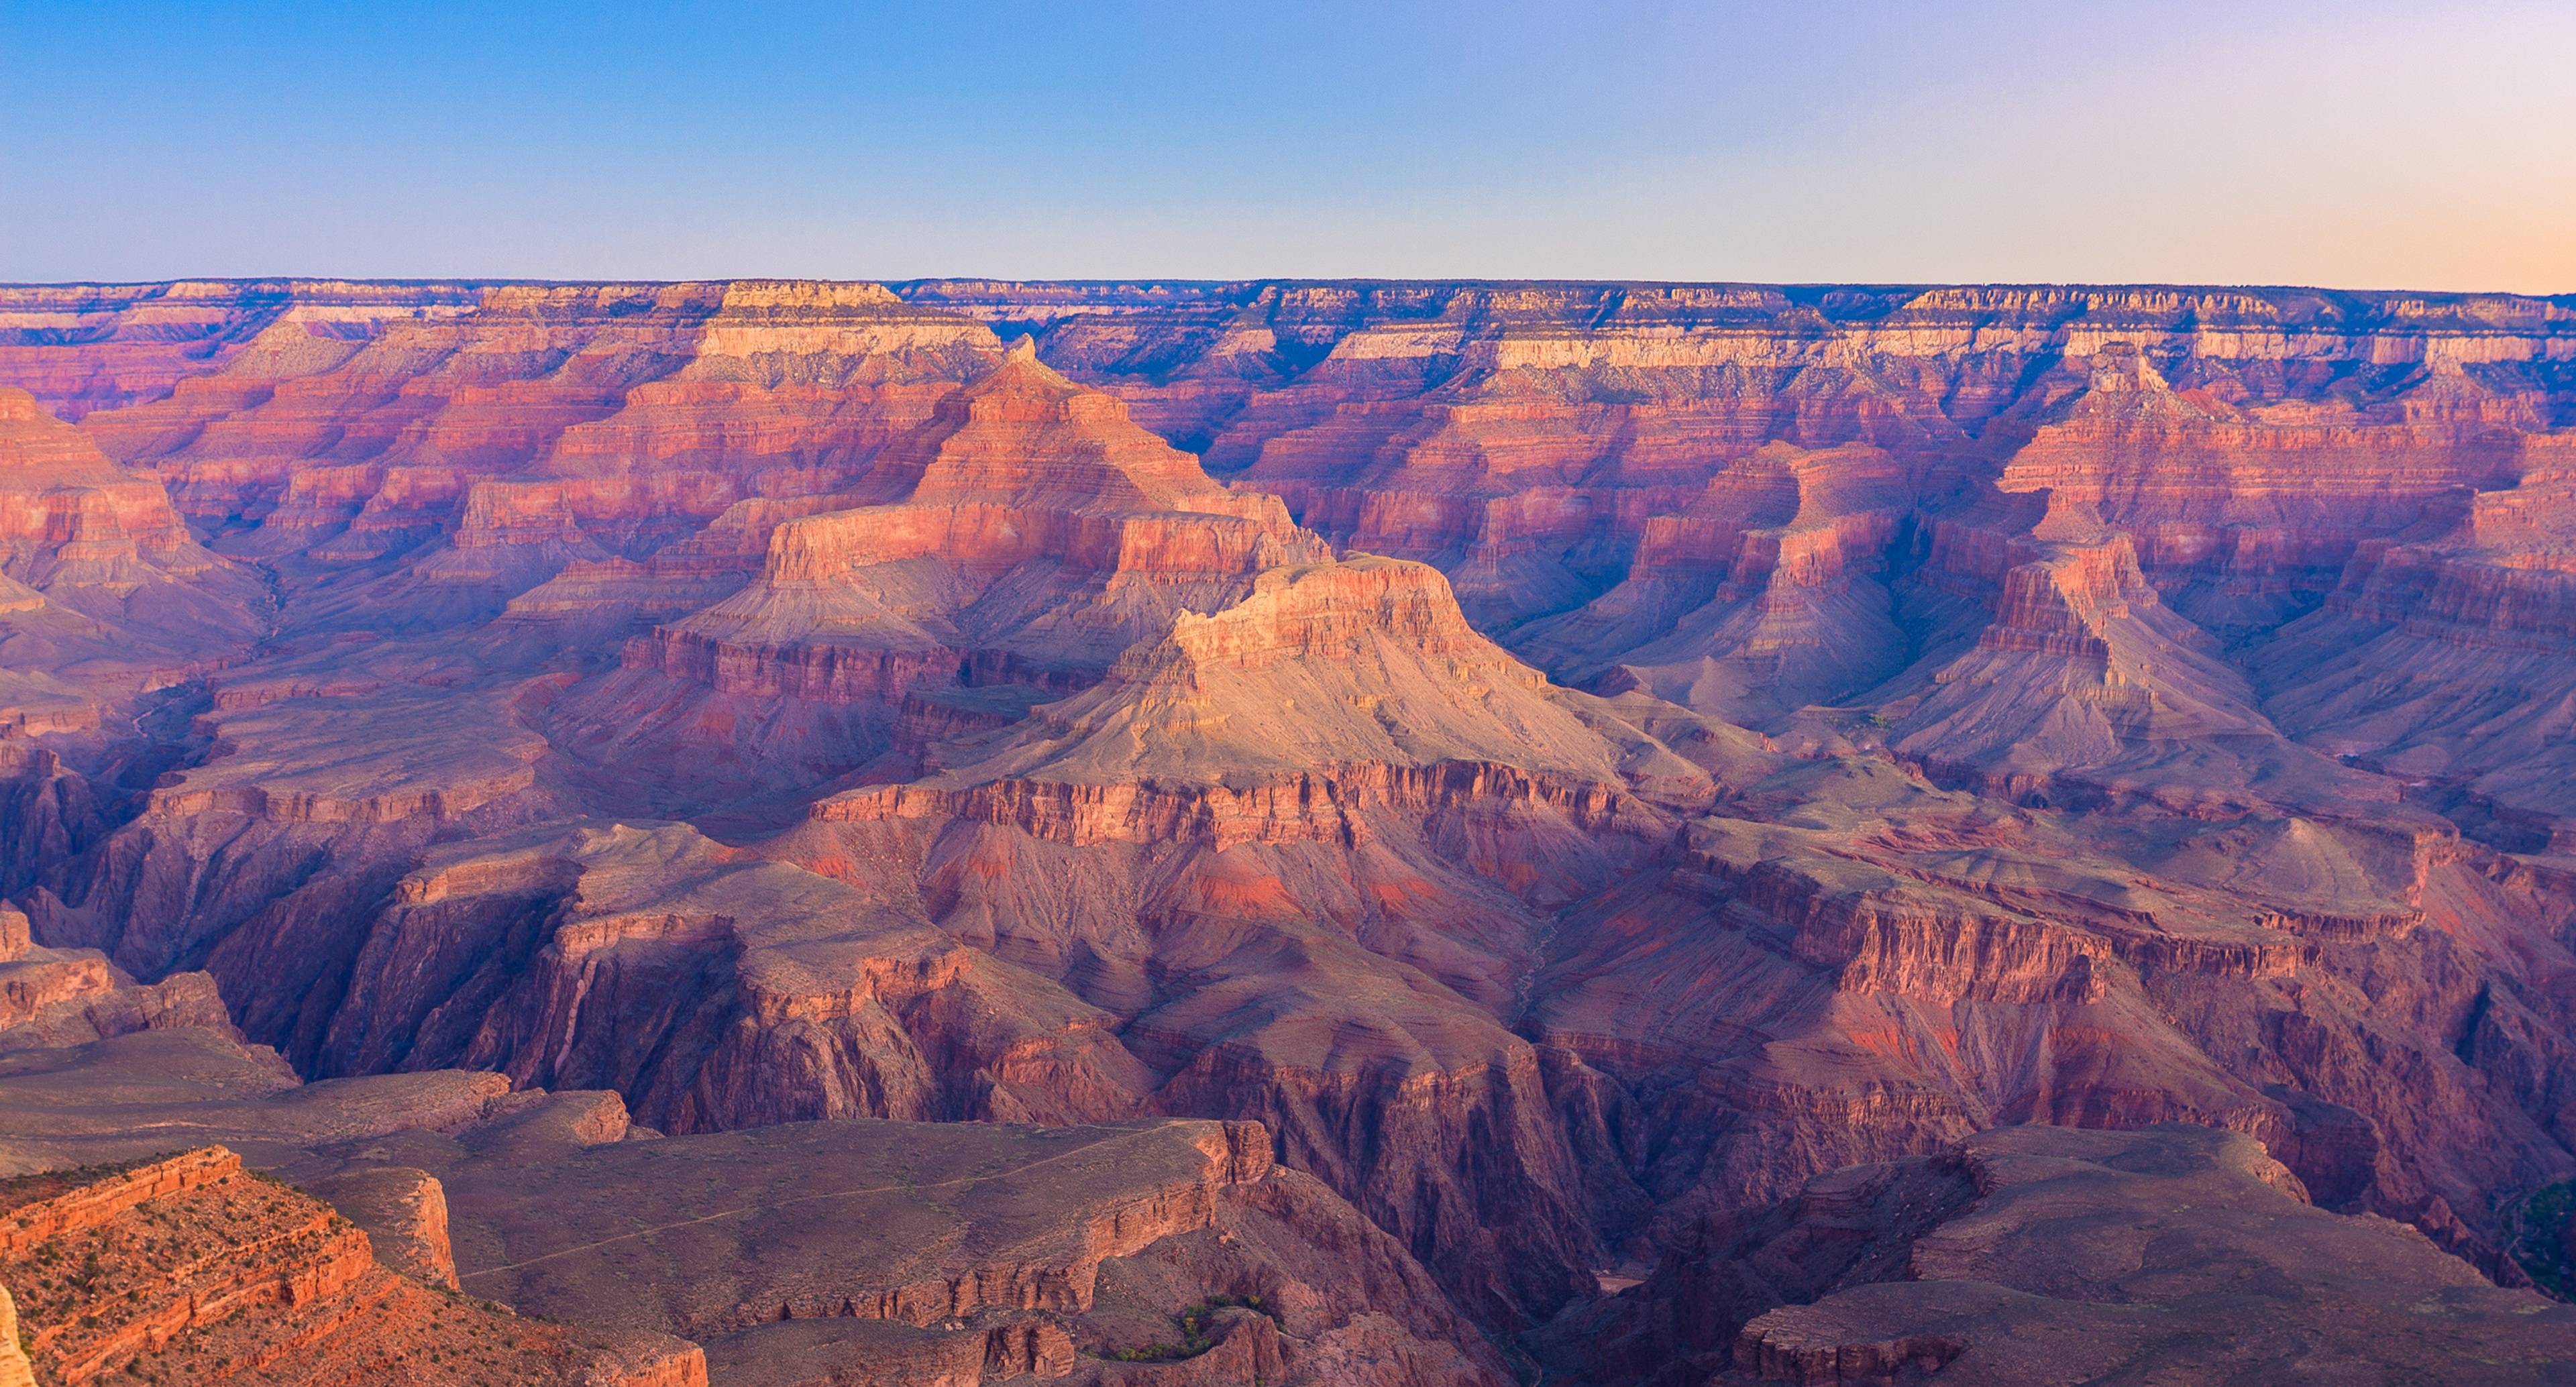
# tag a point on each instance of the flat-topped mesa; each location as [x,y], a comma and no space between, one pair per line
[1340,611]
[1362,661]
[1332,692]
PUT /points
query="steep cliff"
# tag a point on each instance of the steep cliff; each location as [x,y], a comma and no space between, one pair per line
[1765,594]
[1568,760]
[195,1267]
[2447,659]
[104,593]
[2032,1254]
[84,348]
[1025,534]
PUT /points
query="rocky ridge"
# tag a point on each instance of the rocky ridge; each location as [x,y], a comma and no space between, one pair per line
[1565,759]
[2038,1254]
[193,1265]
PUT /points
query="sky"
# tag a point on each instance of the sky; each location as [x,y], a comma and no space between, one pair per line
[2356,144]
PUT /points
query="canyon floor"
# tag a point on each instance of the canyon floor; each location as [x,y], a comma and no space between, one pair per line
[1385,833]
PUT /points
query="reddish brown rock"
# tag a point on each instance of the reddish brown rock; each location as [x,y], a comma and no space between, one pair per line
[2240,493]
[1763,595]
[765,702]
[2027,1255]
[403,1211]
[1027,533]
[15,1371]
[195,1267]
[871,1252]
[104,593]
[81,348]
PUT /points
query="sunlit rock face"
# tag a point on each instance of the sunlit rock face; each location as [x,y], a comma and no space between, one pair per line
[1574,764]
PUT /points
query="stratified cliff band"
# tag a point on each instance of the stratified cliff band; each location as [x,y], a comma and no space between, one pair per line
[1409,832]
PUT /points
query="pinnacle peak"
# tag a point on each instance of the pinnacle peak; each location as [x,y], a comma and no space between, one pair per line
[1021,373]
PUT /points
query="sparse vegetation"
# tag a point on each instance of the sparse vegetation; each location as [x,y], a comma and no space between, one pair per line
[2539,1238]
[1197,1324]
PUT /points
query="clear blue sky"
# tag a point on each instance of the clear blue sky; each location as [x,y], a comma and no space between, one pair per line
[2357,143]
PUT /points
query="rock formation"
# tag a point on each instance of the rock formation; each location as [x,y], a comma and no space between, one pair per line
[1572,763]
[15,1371]
[1024,535]
[196,1267]
[104,593]
[888,1252]
[2042,1254]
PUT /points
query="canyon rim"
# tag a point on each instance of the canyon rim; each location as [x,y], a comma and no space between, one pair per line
[1380,832]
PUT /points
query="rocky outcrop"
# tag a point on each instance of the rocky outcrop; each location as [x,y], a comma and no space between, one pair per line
[1964,1264]
[2081,666]
[715,989]
[194,1266]
[304,809]
[777,702]
[971,1253]
[1328,695]
[98,524]
[15,1371]
[104,593]
[2446,659]
[1765,594]
[2271,491]
[1227,787]
[1021,466]
[57,997]
[84,348]
[1024,534]
[1471,410]
[403,1211]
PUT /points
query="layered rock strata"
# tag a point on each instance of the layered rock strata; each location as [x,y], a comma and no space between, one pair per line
[194,1266]
[773,702]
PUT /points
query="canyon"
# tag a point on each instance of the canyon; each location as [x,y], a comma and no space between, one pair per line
[1170,832]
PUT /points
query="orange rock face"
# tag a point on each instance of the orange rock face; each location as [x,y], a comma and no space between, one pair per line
[195,1266]
[1571,763]
[1026,533]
